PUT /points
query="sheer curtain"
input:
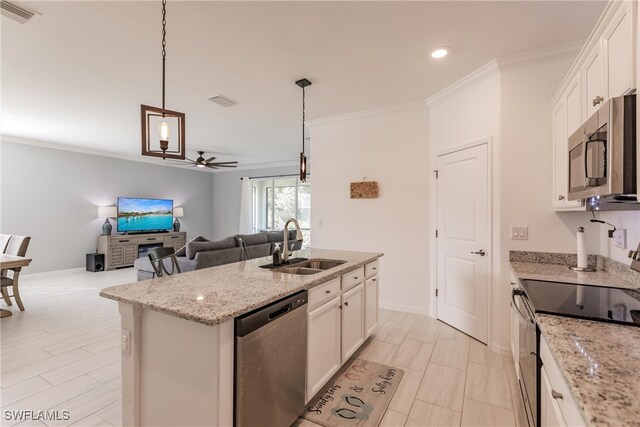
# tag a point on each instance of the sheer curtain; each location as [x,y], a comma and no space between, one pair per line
[246,216]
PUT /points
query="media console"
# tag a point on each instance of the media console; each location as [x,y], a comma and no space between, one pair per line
[121,250]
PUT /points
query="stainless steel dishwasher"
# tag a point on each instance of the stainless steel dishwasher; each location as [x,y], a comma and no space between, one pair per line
[270,363]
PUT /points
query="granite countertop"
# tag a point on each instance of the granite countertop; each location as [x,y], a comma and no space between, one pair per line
[600,363]
[214,295]
[562,273]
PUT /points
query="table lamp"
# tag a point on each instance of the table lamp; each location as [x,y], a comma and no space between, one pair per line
[107,212]
[177,213]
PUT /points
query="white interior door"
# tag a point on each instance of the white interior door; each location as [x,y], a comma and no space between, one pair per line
[463,240]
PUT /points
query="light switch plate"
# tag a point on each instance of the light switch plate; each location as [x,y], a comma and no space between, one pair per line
[620,238]
[519,233]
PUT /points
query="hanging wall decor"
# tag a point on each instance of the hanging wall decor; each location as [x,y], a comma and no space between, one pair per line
[163,131]
[364,190]
[303,83]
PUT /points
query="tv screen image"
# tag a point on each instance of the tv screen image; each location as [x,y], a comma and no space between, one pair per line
[144,214]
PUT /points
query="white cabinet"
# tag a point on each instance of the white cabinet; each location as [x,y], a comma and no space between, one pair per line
[561,158]
[593,80]
[342,313]
[324,334]
[574,105]
[550,413]
[605,68]
[617,48]
[352,321]
[556,402]
[370,305]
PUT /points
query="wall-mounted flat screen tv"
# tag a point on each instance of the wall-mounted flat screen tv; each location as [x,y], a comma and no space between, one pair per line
[137,215]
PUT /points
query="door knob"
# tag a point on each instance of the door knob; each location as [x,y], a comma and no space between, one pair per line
[556,395]
[481,252]
[597,100]
[560,197]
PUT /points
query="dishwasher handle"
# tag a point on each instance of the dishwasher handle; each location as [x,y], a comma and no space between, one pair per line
[262,316]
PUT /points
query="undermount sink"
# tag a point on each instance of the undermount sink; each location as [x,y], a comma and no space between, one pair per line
[311,266]
[320,264]
[298,270]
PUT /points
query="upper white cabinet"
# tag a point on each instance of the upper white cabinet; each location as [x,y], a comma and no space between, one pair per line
[617,48]
[593,78]
[605,68]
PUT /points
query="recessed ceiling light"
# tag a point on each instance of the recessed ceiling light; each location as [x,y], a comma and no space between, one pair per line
[439,53]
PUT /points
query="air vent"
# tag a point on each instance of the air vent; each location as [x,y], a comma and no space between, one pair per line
[223,101]
[15,12]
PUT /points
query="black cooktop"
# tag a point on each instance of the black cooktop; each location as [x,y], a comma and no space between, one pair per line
[587,302]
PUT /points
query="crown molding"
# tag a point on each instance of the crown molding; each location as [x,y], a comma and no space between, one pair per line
[541,56]
[140,159]
[483,73]
[371,112]
[267,165]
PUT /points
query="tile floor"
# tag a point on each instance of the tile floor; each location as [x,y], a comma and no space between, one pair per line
[63,353]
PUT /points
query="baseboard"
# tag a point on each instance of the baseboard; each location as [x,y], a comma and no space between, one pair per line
[49,273]
[404,308]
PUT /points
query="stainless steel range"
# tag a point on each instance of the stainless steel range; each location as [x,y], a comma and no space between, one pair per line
[597,303]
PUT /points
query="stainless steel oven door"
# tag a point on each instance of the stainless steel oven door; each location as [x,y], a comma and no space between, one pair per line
[527,352]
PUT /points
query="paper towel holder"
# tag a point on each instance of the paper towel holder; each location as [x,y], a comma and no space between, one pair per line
[575,267]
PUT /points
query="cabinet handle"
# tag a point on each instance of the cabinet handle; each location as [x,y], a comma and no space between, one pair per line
[374,280]
[597,100]
[123,241]
[374,268]
[355,277]
[346,303]
[560,197]
[328,291]
[556,395]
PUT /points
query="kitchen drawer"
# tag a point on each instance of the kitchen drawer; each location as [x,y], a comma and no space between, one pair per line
[567,405]
[123,241]
[323,292]
[371,269]
[352,278]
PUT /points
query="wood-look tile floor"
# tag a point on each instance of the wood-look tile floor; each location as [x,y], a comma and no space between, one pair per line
[63,353]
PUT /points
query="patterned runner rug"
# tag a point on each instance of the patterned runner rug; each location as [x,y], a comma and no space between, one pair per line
[357,396]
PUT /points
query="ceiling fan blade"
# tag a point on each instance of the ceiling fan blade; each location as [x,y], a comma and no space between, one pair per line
[210,159]
[218,165]
[223,163]
[211,167]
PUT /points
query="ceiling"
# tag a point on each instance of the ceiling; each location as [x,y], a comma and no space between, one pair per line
[77,74]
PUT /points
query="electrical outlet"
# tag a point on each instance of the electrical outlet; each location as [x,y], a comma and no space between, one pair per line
[519,233]
[125,341]
[620,238]
[619,312]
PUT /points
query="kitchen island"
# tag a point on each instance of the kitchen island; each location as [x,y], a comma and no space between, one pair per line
[178,333]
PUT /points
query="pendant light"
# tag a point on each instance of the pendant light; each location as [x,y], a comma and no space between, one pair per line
[303,83]
[163,130]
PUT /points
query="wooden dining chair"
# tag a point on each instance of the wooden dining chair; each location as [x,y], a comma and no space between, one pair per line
[159,258]
[4,240]
[16,246]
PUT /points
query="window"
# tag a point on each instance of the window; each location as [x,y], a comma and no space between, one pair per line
[275,200]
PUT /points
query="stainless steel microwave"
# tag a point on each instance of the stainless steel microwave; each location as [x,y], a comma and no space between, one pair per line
[602,152]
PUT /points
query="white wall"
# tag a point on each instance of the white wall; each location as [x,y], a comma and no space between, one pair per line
[52,196]
[392,148]
[628,220]
[227,189]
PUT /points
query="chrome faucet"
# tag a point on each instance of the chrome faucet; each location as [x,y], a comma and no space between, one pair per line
[285,250]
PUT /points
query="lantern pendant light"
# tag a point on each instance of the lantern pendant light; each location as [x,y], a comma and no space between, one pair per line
[163,131]
[303,83]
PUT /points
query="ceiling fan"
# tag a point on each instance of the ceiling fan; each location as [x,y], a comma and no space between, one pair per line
[201,162]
